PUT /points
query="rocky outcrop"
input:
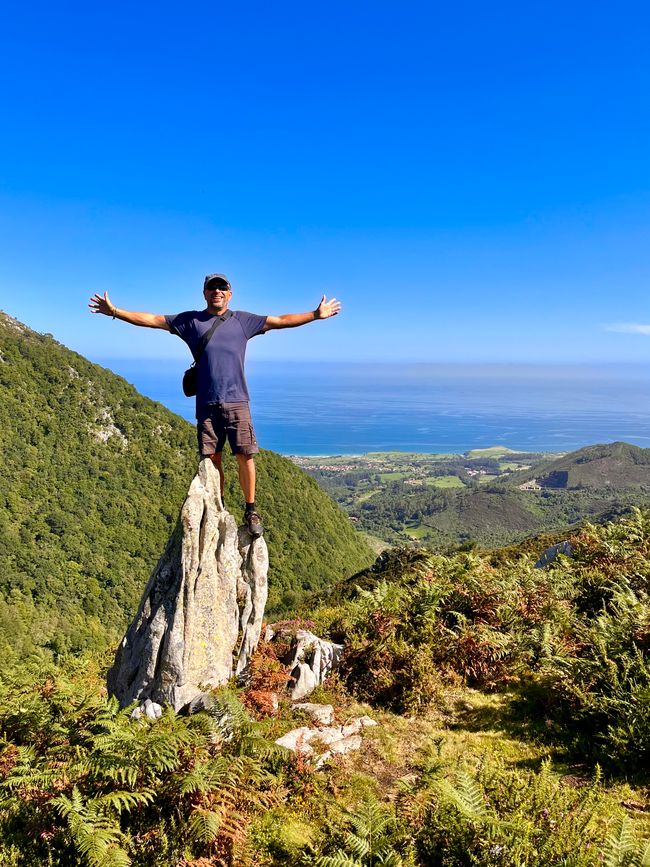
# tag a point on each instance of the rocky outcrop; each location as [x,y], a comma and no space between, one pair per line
[253,592]
[185,632]
[323,742]
[323,714]
[551,554]
[310,659]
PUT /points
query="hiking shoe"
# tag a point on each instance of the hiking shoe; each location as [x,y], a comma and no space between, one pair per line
[254,523]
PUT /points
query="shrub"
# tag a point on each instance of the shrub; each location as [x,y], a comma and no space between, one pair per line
[498,817]
[572,638]
[599,698]
[84,783]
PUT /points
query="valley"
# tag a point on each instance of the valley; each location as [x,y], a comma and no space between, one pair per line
[491,496]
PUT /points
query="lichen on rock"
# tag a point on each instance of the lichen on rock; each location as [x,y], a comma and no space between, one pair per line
[185,632]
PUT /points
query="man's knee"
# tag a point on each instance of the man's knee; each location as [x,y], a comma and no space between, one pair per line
[215,458]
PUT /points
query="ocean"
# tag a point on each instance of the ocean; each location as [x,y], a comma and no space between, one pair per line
[307,408]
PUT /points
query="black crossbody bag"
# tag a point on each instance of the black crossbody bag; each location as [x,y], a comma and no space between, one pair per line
[189,377]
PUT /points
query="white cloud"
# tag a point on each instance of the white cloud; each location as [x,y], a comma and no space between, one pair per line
[629,328]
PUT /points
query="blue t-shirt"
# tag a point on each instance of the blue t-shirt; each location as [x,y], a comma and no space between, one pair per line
[220,371]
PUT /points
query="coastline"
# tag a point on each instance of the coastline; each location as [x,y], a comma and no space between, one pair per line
[352,410]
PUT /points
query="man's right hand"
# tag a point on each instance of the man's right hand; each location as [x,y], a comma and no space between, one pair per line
[99,304]
[103,304]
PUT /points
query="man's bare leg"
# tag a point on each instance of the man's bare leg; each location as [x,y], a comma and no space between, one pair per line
[216,460]
[247,476]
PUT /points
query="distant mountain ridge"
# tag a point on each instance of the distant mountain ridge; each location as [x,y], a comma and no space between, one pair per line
[94,475]
[612,465]
[598,482]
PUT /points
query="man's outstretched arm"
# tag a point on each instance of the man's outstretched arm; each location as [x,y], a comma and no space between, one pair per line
[102,304]
[291,320]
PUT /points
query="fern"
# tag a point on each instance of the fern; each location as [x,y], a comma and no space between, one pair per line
[229,716]
[621,847]
[338,860]
[204,825]
[358,846]
[644,856]
[620,844]
[467,796]
[124,801]
[94,836]
[370,841]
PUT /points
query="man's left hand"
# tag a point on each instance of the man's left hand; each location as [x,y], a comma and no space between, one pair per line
[327,308]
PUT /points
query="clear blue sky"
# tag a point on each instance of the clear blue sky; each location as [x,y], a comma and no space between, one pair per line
[472,180]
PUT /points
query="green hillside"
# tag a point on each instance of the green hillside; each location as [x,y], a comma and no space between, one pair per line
[93,479]
[612,465]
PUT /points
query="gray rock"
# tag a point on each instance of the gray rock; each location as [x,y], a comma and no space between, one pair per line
[255,567]
[340,748]
[320,655]
[327,736]
[184,633]
[152,709]
[148,708]
[551,554]
[310,660]
[305,681]
[297,740]
[203,701]
[336,740]
[320,713]
[351,728]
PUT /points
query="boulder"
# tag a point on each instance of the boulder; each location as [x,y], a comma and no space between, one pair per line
[184,634]
[551,554]
[335,740]
[320,713]
[340,748]
[297,740]
[149,708]
[305,681]
[310,659]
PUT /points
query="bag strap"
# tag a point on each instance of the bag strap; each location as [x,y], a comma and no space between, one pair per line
[205,339]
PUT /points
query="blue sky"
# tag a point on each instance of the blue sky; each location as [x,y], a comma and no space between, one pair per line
[472,180]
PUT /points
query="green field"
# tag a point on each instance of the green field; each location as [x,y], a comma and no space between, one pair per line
[421,532]
[491,452]
[366,495]
[444,482]
[410,456]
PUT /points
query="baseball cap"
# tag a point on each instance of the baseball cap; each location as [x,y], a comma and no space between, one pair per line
[216,278]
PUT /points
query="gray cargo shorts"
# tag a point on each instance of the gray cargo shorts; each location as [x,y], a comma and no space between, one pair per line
[220,421]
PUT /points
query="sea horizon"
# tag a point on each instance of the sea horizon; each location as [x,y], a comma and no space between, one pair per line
[352,408]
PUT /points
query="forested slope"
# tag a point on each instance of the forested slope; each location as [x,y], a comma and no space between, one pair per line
[93,479]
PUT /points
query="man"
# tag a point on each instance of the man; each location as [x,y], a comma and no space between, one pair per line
[222,410]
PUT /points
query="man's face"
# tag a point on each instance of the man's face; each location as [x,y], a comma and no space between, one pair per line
[217,295]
